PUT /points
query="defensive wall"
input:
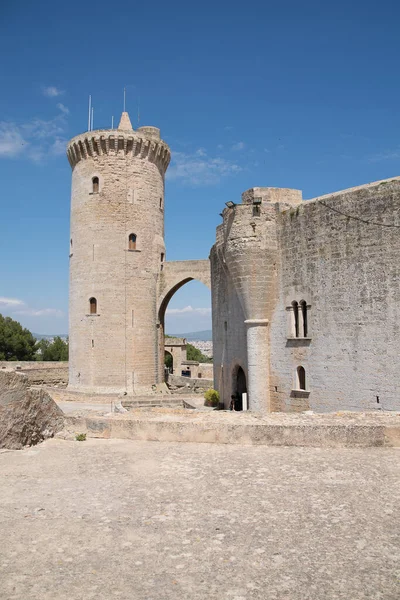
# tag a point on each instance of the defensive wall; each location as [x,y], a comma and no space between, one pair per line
[338,256]
[47,373]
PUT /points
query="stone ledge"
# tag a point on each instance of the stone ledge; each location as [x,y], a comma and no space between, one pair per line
[231,428]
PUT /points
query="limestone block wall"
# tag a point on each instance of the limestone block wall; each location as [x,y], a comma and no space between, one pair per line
[245,273]
[341,253]
[229,331]
[47,373]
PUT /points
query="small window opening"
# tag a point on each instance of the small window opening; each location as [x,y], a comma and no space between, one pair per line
[132,241]
[301,378]
[160,202]
[226,325]
[256,210]
[296,318]
[92,343]
[303,307]
[70,243]
[95,185]
[93,306]
[162,260]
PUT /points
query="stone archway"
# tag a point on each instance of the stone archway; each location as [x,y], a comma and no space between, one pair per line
[173,276]
[239,386]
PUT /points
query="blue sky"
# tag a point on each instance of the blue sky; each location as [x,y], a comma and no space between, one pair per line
[291,94]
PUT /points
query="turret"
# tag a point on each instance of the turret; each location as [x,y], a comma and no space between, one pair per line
[247,247]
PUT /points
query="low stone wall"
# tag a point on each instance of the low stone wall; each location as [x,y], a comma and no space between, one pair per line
[44,373]
[237,428]
[184,384]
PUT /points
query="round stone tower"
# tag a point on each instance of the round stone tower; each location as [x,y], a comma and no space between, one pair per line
[116,257]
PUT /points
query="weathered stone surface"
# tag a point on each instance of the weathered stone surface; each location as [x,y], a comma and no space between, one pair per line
[339,254]
[45,373]
[27,416]
[120,519]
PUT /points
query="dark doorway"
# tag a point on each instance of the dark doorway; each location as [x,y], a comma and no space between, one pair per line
[239,388]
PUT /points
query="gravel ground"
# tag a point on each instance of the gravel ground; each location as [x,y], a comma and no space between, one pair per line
[105,519]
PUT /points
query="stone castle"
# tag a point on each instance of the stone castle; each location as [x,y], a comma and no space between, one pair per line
[306,311]
[305,295]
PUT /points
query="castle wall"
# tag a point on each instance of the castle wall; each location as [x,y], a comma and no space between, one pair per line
[348,271]
[345,269]
[229,331]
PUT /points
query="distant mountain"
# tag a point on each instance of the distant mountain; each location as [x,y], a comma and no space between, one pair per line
[203,336]
[41,336]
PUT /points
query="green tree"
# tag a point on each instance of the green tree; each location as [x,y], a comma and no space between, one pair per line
[193,353]
[57,350]
[16,343]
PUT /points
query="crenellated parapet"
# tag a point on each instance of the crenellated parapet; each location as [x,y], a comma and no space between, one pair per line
[145,143]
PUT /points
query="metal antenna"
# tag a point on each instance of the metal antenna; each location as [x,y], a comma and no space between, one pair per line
[124,99]
[91,126]
[90,104]
[112,122]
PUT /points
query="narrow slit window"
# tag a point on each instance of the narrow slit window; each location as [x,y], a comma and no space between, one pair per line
[93,306]
[303,306]
[95,185]
[160,202]
[301,378]
[295,306]
[132,241]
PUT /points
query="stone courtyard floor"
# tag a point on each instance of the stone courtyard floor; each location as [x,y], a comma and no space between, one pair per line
[124,519]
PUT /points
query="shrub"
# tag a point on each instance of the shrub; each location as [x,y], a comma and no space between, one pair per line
[80,437]
[211,398]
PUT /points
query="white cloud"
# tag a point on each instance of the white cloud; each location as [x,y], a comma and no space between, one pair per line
[387,155]
[238,146]
[10,301]
[188,310]
[52,91]
[64,109]
[32,312]
[199,168]
[58,146]
[12,142]
[35,139]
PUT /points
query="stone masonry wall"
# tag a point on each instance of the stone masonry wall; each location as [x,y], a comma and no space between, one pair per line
[337,254]
[348,271]
[47,373]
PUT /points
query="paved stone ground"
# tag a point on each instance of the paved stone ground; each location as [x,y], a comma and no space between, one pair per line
[107,519]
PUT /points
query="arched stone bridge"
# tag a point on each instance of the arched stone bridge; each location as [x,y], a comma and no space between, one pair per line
[175,274]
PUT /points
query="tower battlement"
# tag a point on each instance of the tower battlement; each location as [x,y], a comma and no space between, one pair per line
[142,143]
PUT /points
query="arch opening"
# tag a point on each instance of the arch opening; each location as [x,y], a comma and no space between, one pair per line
[93,306]
[301,378]
[239,387]
[132,241]
[189,312]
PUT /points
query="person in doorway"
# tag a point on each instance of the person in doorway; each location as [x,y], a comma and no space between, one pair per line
[236,402]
